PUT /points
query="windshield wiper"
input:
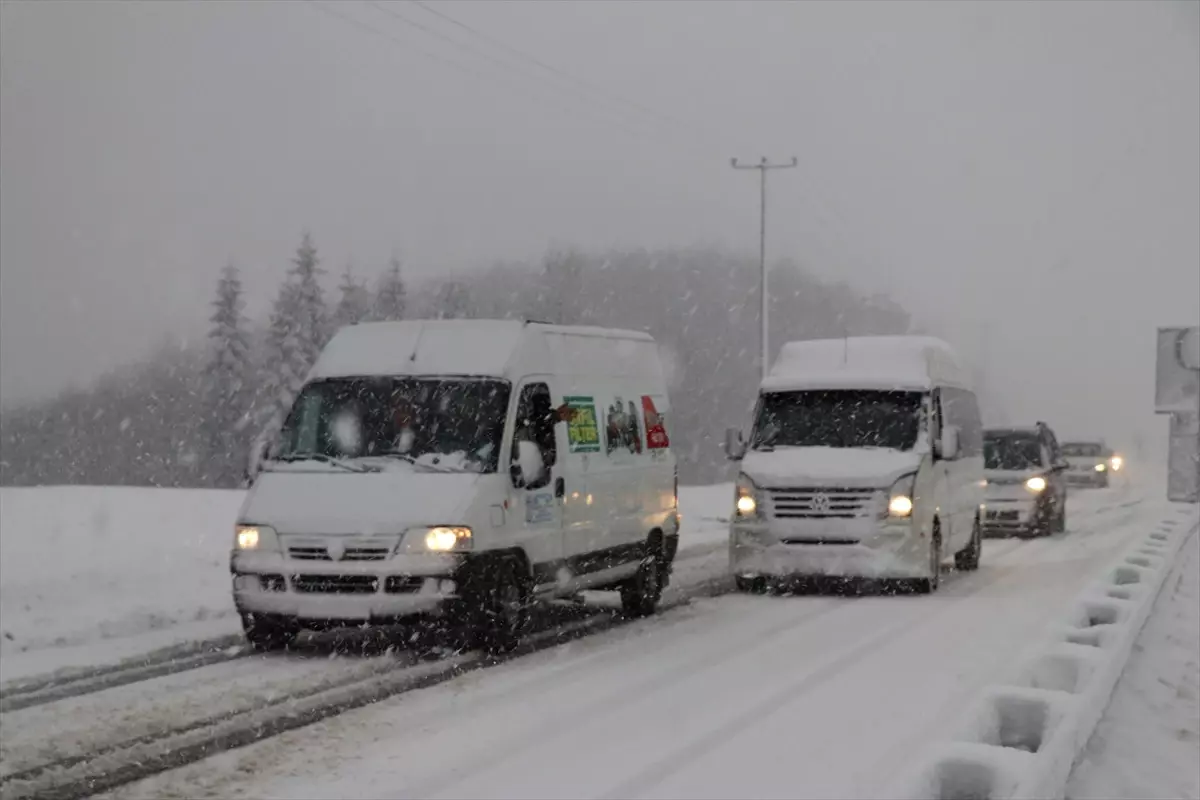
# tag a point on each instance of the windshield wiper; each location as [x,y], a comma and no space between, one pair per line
[410,460]
[321,457]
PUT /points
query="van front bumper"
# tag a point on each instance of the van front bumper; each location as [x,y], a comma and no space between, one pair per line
[370,591]
[872,551]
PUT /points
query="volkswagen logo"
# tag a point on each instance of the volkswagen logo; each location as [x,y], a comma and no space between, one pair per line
[820,503]
[336,550]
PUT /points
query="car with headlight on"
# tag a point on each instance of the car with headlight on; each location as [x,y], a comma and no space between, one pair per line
[1090,463]
[864,460]
[458,471]
[1026,488]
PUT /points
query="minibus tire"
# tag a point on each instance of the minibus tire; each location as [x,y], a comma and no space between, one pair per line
[930,585]
[495,610]
[641,593]
[967,559]
[266,634]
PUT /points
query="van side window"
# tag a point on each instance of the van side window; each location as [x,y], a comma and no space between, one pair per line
[962,409]
[535,423]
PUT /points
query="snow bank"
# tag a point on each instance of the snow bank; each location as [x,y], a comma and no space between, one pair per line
[93,575]
[1020,740]
[82,567]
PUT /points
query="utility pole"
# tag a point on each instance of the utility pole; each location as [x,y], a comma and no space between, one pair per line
[762,168]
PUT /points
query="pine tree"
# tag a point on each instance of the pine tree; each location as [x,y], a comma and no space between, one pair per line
[225,381]
[355,302]
[298,330]
[453,299]
[391,296]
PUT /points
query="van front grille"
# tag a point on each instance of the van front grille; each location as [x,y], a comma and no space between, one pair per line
[374,553]
[336,584]
[825,503]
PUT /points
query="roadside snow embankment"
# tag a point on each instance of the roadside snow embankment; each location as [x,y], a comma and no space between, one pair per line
[1148,741]
[1022,738]
[94,575]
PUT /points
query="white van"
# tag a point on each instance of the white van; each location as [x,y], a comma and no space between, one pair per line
[864,460]
[461,469]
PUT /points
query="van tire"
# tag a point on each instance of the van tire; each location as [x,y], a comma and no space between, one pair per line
[641,593]
[967,559]
[752,585]
[268,634]
[1060,521]
[495,609]
[930,585]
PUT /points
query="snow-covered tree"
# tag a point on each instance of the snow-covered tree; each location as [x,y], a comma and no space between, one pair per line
[354,305]
[391,295]
[453,300]
[225,380]
[298,330]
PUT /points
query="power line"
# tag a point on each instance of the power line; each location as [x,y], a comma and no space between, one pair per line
[763,167]
[408,47]
[532,59]
[462,46]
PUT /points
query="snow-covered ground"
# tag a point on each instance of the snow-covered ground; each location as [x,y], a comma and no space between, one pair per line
[736,696]
[1148,742]
[94,575]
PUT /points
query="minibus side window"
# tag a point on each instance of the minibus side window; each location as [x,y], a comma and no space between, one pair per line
[535,423]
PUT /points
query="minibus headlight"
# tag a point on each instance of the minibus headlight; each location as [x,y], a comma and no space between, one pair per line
[257,538]
[438,539]
[900,496]
[1117,463]
[746,506]
[1036,484]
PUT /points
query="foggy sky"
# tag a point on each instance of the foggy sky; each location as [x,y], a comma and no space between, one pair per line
[1023,177]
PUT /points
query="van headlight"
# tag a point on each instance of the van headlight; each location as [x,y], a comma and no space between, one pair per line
[745,504]
[1101,467]
[438,539]
[1117,462]
[900,497]
[257,538]
[1036,484]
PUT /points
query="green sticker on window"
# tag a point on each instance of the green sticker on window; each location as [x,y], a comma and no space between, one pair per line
[583,434]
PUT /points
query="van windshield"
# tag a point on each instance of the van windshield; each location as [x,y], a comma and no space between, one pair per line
[447,425]
[1011,451]
[840,418]
[1081,449]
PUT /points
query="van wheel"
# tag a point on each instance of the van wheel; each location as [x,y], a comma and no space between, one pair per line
[1060,522]
[967,559]
[753,585]
[266,633]
[930,585]
[497,610]
[641,593]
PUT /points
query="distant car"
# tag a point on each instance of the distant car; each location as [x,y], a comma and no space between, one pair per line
[1090,463]
[1026,483]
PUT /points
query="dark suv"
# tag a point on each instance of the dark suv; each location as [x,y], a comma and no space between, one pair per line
[1026,481]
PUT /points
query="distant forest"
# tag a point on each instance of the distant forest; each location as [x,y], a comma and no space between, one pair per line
[186,416]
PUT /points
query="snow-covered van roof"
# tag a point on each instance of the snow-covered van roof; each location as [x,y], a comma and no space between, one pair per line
[915,363]
[483,348]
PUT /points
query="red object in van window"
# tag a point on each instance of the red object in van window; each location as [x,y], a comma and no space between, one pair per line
[656,429]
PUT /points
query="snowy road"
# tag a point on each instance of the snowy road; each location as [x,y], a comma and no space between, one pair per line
[736,696]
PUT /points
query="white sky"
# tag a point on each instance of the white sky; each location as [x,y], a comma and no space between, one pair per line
[1023,177]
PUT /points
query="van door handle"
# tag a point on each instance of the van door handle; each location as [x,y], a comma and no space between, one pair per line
[560,487]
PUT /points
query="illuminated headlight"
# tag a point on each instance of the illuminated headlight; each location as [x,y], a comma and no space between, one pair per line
[441,539]
[1036,484]
[1117,463]
[255,537]
[746,500]
[900,506]
[1101,468]
[900,497]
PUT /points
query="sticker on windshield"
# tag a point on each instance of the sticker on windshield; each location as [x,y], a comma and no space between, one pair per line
[583,435]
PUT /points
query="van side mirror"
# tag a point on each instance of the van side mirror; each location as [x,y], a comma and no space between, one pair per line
[260,452]
[948,443]
[529,468]
[735,446]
